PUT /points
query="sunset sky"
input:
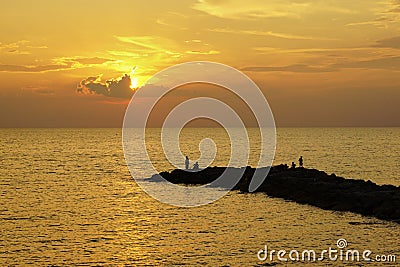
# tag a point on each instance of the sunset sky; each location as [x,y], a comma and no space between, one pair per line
[319,63]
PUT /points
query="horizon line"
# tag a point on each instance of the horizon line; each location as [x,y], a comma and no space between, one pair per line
[194,127]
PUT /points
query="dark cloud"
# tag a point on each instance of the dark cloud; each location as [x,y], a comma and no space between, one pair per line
[113,88]
[395,7]
[44,91]
[390,63]
[395,10]
[61,64]
[21,47]
[393,42]
[40,68]
[39,90]
[92,60]
[290,68]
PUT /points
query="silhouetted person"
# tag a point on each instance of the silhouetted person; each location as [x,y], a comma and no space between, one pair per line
[187,163]
[293,165]
[301,161]
[196,166]
[285,166]
[282,167]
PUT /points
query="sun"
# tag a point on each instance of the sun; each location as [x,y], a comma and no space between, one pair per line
[134,80]
[134,83]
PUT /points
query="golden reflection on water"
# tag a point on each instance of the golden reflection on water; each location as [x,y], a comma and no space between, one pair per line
[67,199]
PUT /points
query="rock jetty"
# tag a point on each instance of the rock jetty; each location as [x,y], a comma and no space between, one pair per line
[305,186]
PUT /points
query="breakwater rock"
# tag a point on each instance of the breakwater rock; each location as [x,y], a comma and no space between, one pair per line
[304,186]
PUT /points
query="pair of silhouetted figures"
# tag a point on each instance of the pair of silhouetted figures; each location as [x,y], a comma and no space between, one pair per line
[300,162]
[187,162]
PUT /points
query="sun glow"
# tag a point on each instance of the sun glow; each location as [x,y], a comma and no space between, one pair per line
[134,83]
[134,80]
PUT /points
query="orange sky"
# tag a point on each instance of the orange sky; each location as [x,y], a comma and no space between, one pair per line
[319,63]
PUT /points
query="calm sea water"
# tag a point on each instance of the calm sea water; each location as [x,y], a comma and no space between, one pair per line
[67,199]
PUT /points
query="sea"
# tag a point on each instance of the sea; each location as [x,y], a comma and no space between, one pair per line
[67,198]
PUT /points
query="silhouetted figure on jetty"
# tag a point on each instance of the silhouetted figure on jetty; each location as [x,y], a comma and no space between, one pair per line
[301,161]
[196,166]
[293,165]
[285,166]
[187,163]
[282,167]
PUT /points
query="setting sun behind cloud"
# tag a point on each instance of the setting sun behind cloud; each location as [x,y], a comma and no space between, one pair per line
[134,80]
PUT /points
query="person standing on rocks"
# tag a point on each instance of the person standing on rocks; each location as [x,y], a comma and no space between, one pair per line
[196,166]
[301,161]
[187,163]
